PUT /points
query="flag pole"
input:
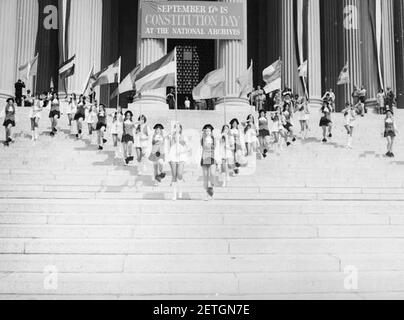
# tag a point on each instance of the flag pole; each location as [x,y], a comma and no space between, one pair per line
[176,85]
[119,81]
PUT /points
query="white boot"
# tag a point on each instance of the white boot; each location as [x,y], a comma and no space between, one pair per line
[179,185]
[33,136]
[349,145]
[174,191]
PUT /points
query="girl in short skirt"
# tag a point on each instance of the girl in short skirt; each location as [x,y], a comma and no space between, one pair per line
[286,120]
[350,114]
[9,120]
[116,130]
[278,129]
[208,161]
[71,108]
[35,116]
[237,145]
[142,133]
[177,157]
[127,137]
[101,126]
[325,121]
[264,135]
[303,115]
[92,119]
[80,116]
[157,155]
[54,113]
[226,154]
[250,133]
[390,132]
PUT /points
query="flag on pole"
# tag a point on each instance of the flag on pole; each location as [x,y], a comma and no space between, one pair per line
[89,80]
[109,75]
[66,70]
[344,76]
[273,77]
[303,70]
[246,82]
[127,84]
[29,69]
[212,86]
[160,74]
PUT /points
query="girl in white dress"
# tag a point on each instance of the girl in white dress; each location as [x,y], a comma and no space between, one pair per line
[35,116]
[226,154]
[251,133]
[142,136]
[303,115]
[117,130]
[177,157]
[71,108]
[157,155]
[350,114]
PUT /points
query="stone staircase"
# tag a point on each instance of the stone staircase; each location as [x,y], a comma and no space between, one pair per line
[293,230]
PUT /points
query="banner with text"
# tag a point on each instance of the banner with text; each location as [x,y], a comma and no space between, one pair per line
[192,20]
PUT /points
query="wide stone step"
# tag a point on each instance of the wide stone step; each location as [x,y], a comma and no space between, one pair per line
[156,232]
[170,263]
[203,220]
[201,284]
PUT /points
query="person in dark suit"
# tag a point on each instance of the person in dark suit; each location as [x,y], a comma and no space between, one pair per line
[19,85]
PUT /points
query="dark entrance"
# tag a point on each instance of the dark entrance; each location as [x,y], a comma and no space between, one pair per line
[195,59]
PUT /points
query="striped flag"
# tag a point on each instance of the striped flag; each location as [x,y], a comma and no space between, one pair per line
[344,76]
[212,86]
[89,80]
[66,70]
[303,70]
[160,74]
[110,74]
[246,82]
[273,77]
[29,69]
[127,84]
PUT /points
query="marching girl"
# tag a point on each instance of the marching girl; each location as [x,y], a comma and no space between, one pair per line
[390,132]
[251,134]
[9,120]
[177,157]
[278,130]
[80,116]
[325,121]
[264,135]
[157,155]
[237,144]
[142,132]
[92,119]
[101,126]
[116,130]
[35,116]
[54,113]
[226,154]
[350,114]
[71,108]
[127,137]
[208,161]
[303,116]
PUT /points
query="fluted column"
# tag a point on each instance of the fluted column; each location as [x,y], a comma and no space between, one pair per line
[352,45]
[85,30]
[26,34]
[399,47]
[233,58]
[314,45]
[388,49]
[8,48]
[150,50]
[290,76]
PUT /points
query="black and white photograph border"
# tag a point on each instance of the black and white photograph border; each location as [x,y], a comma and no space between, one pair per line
[201,150]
